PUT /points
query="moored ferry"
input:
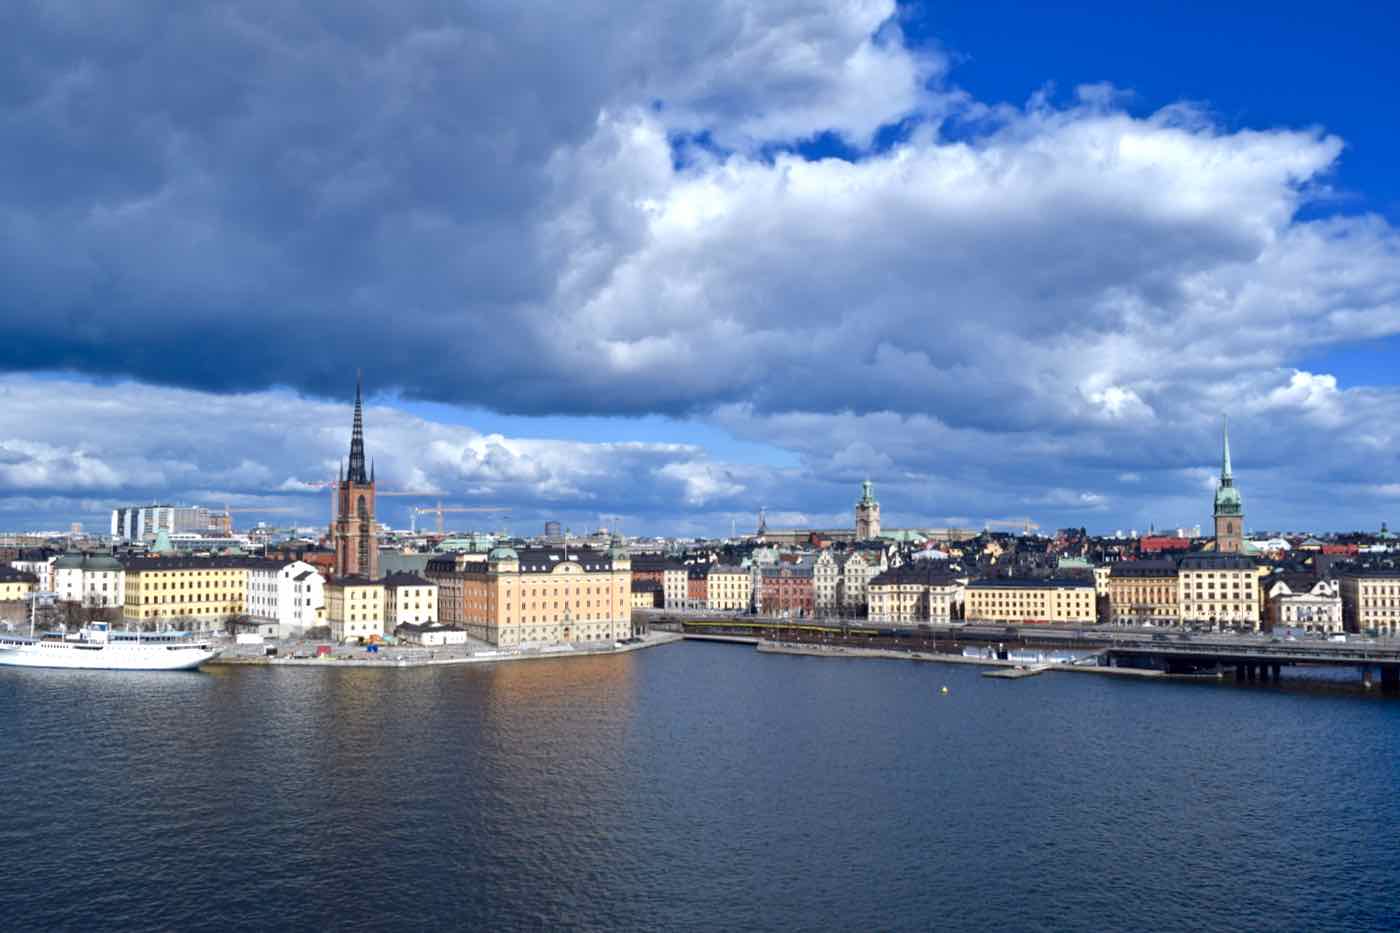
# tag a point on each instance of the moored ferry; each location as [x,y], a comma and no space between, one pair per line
[98,648]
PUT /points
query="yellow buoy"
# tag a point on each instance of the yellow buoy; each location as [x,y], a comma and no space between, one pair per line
[944,691]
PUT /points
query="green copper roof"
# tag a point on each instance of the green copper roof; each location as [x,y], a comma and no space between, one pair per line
[1227,497]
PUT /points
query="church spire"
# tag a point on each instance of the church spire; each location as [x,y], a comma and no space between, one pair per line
[357,441]
[1226,478]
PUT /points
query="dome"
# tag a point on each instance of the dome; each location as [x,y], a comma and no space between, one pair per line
[503,553]
[69,562]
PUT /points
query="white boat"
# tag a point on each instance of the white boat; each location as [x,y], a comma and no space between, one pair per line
[96,648]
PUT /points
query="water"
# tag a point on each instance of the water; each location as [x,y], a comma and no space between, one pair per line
[692,787]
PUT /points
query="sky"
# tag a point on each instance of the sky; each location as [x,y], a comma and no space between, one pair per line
[660,267]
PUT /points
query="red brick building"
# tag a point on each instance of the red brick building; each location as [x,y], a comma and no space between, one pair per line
[787,590]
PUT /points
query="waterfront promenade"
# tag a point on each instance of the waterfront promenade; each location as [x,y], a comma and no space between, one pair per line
[302,654]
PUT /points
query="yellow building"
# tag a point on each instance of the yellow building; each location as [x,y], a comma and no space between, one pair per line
[15,585]
[1371,601]
[1219,590]
[355,608]
[1143,591]
[537,595]
[729,589]
[1056,600]
[197,591]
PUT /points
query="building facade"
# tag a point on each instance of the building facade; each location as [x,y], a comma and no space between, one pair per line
[1143,592]
[355,608]
[826,584]
[1371,601]
[200,592]
[786,590]
[95,581]
[16,585]
[1031,601]
[729,589]
[291,595]
[1219,590]
[1301,601]
[538,595]
[867,513]
[409,599]
[917,592]
[354,532]
[858,569]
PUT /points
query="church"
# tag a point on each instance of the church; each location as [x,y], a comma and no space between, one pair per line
[356,545]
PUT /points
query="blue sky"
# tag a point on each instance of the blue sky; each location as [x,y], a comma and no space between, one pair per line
[681,262]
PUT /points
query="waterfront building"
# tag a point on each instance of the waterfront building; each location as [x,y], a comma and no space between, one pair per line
[729,589]
[16,584]
[409,599]
[696,590]
[95,581]
[196,591]
[38,564]
[920,591]
[1229,508]
[856,573]
[826,583]
[671,575]
[785,589]
[354,531]
[1218,589]
[646,594]
[1143,592]
[543,595]
[1039,600]
[430,634]
[290,595]
[1301,600]
[354,608]
[1371,601]
[867,513]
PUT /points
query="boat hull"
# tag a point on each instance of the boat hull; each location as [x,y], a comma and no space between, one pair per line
[107,657]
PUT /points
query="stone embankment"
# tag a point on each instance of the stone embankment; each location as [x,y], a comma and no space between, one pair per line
[394,656]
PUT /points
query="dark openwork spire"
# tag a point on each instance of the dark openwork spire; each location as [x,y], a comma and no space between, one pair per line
[357,442]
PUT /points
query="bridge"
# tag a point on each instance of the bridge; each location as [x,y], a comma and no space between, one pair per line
[1249,657]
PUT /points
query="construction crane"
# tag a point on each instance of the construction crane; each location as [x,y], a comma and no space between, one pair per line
[439,510]
[1024,524]
[258,510]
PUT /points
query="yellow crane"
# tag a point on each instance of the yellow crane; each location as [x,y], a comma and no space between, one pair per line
[439,510]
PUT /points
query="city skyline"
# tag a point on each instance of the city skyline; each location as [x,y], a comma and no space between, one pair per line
[732,269]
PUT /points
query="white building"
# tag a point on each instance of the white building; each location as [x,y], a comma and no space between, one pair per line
[409,600]
[826,585]
[291,595]
[42,570]
[431,634]
[857,572]
[92,580]
[143,522]
[1307,603]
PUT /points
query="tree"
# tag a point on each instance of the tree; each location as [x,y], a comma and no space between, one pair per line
[71,614]
[232,621]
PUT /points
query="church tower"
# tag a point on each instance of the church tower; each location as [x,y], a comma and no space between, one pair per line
[356,546]
[867,513]
[1229,510]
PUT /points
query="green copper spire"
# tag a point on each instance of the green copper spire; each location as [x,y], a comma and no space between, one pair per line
[1226,478]
[1227,497]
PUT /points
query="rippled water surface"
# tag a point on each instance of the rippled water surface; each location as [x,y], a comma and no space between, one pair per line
[702,787]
